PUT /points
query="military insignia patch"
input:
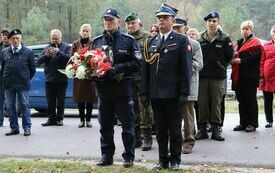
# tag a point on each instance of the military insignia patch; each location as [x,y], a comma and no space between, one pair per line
[138,55]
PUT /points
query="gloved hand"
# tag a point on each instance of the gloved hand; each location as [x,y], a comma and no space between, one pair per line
[144,100]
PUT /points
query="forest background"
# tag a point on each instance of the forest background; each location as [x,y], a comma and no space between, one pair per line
[37,17]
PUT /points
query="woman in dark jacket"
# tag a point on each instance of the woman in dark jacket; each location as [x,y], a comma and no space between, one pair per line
[84,90]
[245,77]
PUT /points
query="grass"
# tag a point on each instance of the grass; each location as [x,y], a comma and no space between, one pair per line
[231,105]
[11,165]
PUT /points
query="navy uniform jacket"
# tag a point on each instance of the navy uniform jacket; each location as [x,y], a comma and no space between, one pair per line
[171,76]
[17,69]
[126,60]
[57,61]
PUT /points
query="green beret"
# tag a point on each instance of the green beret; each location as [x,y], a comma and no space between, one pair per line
[131,16]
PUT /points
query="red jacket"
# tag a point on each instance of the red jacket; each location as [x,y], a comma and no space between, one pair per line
[267,68]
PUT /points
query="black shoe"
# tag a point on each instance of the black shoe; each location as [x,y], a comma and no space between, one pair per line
[175,166]
[216,134]
[210,129]
[202,134]
[89,124]
[239,128]
[81,124]
[104,162]
[27,132]
[49,123]
[12,132]
[250,128]
[128,164]
[161,166]
[59,123]
[268,125]
[146,144]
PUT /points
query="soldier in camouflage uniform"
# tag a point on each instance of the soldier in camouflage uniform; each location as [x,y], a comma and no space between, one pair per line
[144,114]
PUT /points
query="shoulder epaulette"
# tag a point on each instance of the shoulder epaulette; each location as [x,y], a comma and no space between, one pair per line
[128,35]
[97,37]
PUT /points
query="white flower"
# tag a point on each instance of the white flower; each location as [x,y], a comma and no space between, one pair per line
[69,71]
[80,72]
[76,58]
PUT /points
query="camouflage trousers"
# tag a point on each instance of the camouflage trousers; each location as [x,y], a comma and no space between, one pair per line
[144,115]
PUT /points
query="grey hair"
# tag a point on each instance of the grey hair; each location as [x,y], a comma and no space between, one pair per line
[56,31]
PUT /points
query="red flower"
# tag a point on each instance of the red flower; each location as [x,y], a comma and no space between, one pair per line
[83,50]
[75,67]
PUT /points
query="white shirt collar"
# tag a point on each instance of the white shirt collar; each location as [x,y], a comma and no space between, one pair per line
[166,34]
[18,48]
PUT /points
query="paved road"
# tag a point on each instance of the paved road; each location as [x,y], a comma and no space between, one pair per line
[239,148]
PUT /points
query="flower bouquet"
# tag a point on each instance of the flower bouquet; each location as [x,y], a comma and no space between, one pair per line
[86,64]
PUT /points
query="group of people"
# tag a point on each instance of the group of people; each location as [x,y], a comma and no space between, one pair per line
[169,74]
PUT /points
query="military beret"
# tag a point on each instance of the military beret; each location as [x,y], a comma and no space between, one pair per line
[131,16]
[180,22]
[211,15]
[14,32]
[111,12]
[166,10]
[5,31]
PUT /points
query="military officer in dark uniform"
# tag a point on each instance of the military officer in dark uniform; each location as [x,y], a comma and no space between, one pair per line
[166,81]
[115,94]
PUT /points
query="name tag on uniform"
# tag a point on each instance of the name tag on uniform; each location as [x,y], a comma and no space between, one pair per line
[173,44]
[138,54]
[218,45]
[122,51]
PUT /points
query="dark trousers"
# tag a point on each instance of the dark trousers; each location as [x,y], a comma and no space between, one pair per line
[56,93]
[222,110]
[124,109]
[89,109]
[268,106]
[246,94]
[168,118]
[196,107]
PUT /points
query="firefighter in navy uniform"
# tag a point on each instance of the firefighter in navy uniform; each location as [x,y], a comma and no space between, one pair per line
[115,93]
[166,77]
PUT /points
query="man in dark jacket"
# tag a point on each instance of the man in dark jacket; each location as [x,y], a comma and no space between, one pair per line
[166,77]
[217,53]
[55,56]
[3,44]
[17,69]
[115,94]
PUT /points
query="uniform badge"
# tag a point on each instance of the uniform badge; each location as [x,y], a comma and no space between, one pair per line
[109,11]
[218,45]
[138,54]
[165,51]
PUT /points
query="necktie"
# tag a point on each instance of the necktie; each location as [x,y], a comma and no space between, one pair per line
[162,40]
[15,49]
